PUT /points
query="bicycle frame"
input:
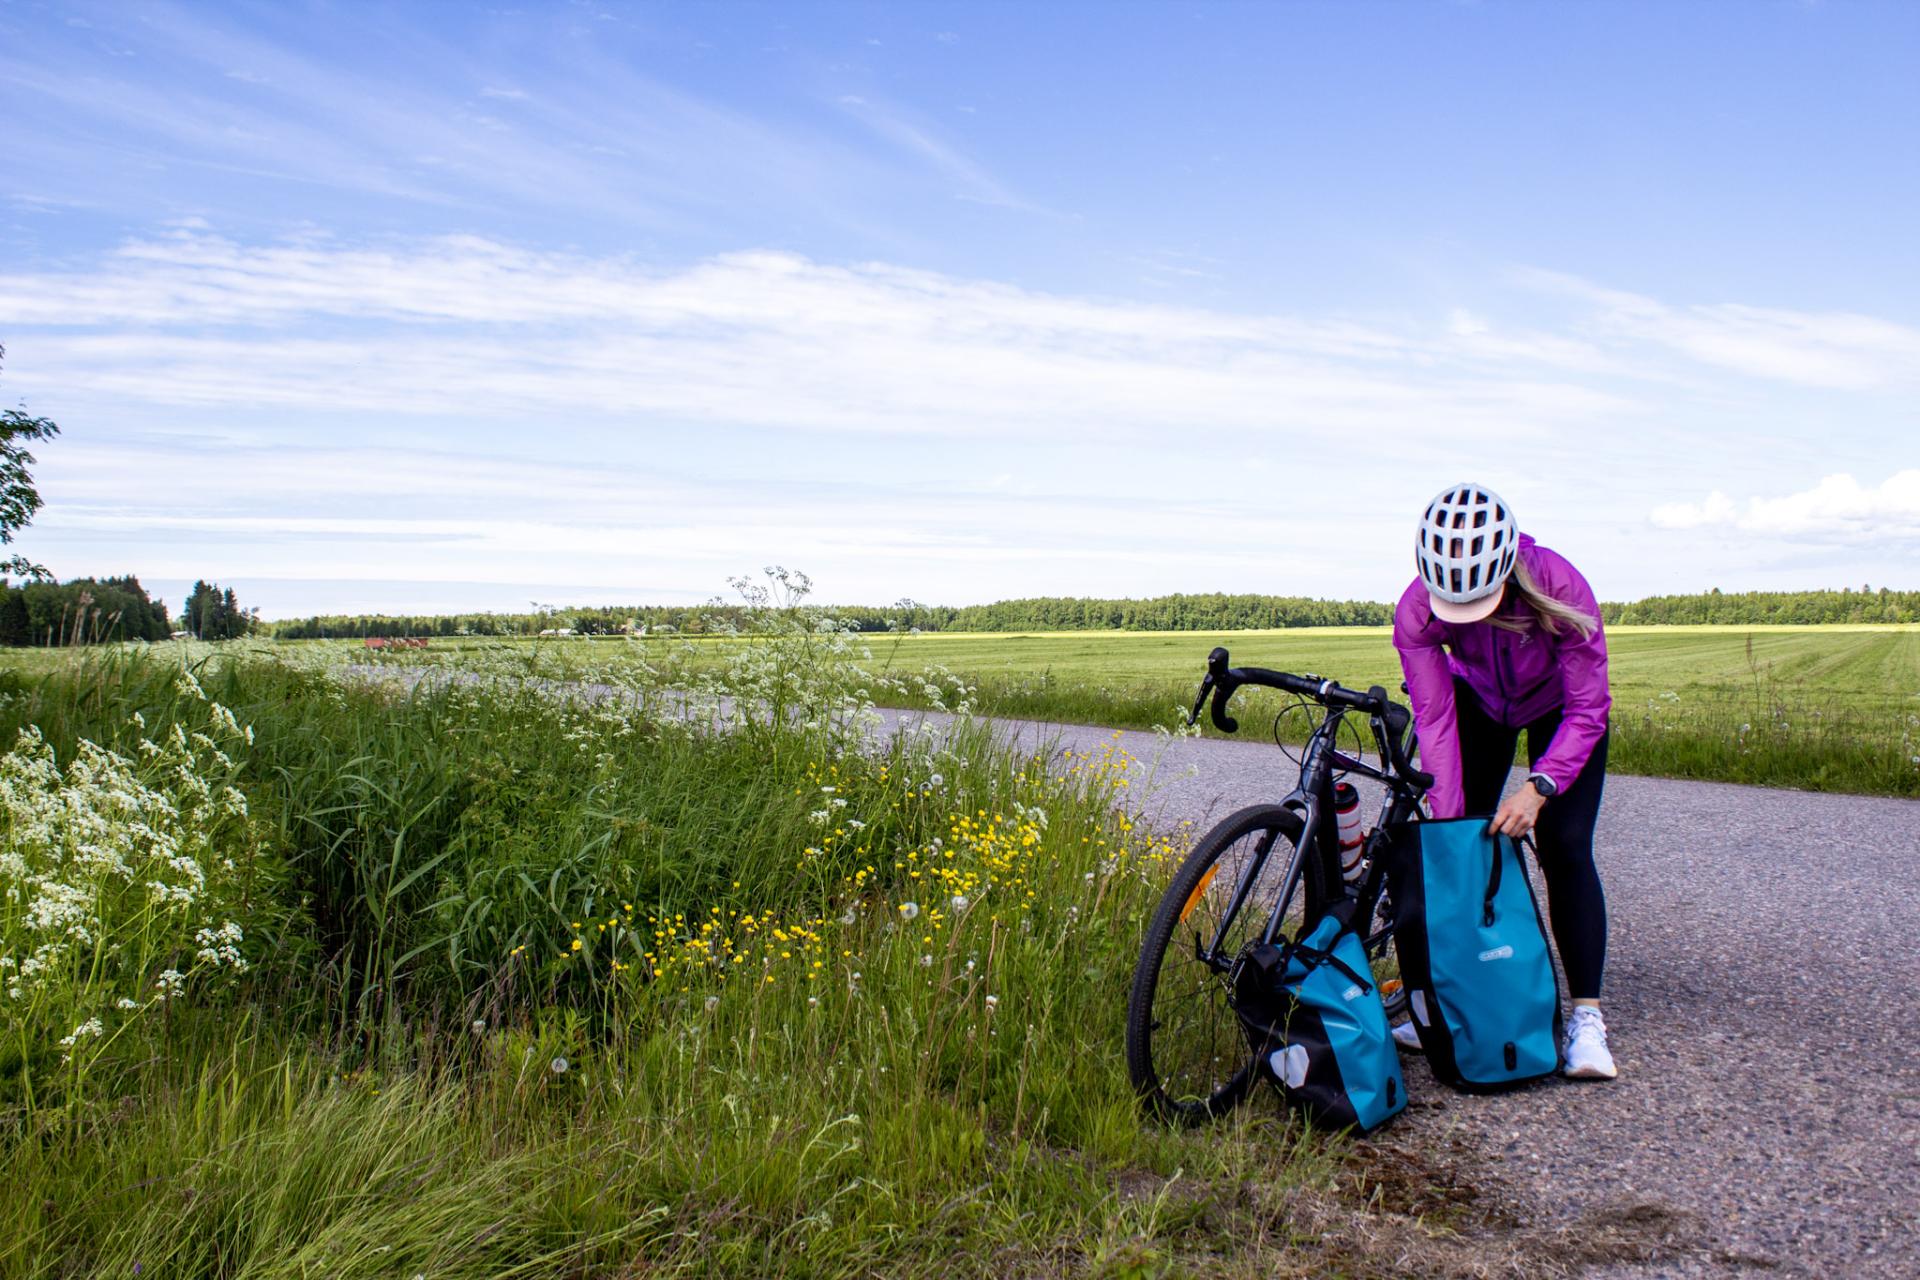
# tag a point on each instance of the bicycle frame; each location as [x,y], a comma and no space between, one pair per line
[1312,797]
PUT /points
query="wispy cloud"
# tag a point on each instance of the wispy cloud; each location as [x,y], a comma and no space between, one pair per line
[1835,350]
[469,326]
[920,139]
[666,424]
[455,132]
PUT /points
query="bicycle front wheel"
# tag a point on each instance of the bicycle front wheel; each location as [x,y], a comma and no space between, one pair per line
[1186,1052]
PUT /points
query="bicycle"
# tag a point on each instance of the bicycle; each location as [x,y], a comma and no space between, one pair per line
[1188,1057]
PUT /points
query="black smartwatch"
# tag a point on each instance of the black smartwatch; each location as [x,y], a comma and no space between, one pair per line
[1544,785]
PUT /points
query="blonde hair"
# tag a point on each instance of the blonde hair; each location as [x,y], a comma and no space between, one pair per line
[1545,611]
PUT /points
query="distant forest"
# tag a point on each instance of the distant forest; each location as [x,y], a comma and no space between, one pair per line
[1209,612]
[83,611]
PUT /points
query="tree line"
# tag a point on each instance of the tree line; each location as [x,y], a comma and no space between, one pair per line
[83,611]
[1760,608]
[1183,612]
[101,610]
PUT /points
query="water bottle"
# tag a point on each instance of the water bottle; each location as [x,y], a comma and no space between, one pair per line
[1346,812]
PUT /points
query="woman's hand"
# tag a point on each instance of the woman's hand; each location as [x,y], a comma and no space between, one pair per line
[1518,812]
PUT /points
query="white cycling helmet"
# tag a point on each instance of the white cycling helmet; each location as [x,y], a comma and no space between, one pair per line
[1466,551]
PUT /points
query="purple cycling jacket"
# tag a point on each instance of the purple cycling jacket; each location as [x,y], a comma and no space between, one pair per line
[1518,676]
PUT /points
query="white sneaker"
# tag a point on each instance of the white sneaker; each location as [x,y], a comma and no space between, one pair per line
[1406,1035]
[1587,1054]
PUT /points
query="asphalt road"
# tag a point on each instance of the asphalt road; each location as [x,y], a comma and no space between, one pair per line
[1764,955]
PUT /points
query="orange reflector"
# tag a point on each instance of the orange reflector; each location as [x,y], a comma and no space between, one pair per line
[1193,899]
[1390,986]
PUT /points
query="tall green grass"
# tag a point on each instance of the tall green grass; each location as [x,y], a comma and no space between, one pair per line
[559,984]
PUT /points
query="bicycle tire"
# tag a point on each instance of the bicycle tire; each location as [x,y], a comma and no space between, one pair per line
[1187,1079]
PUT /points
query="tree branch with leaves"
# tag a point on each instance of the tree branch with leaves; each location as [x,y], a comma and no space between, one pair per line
[19,500]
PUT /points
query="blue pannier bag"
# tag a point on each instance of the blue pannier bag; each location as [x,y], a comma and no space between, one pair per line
[1473,955]
[1312,1014]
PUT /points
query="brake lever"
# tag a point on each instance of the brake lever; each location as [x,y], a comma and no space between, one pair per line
[1206,687]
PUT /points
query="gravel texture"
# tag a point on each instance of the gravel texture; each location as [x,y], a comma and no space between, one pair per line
[1765,946]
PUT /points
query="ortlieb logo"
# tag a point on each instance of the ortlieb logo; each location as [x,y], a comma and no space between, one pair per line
[1498,953]
[1354,992]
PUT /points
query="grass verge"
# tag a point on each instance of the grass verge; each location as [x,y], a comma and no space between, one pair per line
[533,981]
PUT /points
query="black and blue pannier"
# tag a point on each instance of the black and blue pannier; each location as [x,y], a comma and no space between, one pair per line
[1312,1014]
[1473,954]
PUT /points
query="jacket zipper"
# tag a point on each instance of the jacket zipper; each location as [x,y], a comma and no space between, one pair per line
[1501,673]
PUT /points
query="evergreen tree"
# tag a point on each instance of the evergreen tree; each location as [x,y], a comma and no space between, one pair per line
[214,614]
[14,627]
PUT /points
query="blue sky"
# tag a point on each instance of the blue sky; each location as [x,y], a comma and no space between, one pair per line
[439,307]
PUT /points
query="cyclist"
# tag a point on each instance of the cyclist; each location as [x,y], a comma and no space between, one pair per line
[1498,635]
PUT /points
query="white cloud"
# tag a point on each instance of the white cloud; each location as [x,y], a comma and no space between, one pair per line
[1717,508]
[1838,509]
[464,326]
[467,410]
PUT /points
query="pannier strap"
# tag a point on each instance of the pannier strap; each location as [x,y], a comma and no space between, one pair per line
[1493,880]
[1313,956]
[1493,883]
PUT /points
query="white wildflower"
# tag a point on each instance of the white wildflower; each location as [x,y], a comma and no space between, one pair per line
[91,1027]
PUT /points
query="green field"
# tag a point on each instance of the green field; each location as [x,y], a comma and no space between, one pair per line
[1857,666]
[1826,707]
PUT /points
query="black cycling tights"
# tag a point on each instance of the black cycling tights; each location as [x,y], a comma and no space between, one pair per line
[1575,901]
